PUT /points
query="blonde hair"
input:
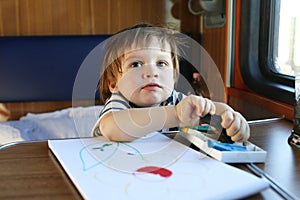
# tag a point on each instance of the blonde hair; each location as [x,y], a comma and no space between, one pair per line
[138,36]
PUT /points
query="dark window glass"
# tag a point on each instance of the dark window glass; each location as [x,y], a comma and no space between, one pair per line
[261,49]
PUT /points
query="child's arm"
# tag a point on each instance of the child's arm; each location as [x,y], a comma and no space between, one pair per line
[130,124]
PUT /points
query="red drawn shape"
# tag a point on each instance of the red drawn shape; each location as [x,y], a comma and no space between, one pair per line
[163,172]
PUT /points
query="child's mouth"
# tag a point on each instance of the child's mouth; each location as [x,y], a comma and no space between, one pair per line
[151,86]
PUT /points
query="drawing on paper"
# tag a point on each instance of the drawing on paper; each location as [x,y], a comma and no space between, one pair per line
[103,152]
[123,156]
[163,172]
[131,157]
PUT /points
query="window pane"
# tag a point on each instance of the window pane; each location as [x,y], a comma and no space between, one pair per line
[288,37]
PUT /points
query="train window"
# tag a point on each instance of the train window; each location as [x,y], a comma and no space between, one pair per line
[268,44]
[288,41]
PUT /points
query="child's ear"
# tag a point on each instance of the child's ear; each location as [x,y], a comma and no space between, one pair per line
[112,85]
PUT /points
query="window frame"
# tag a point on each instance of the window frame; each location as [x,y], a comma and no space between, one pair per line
[256,50]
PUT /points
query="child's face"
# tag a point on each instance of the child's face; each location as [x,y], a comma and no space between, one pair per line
[148,75]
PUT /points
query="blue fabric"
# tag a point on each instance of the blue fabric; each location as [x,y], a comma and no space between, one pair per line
[42,68]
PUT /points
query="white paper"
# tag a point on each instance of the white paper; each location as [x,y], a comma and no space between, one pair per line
[101,169]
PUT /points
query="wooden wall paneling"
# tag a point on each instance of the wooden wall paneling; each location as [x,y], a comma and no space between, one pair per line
[35,17]
[189,23]
[66,16]
[127,13]
[123,14]
[19,109]
[100,16]
[255,106]
[86,17]
[24,18]
[154,11]
[75,17]
[47,17]
[213,40]
[9,24]
[115,15]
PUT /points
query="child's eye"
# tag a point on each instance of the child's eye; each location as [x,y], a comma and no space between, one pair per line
[136,64]
[162,64]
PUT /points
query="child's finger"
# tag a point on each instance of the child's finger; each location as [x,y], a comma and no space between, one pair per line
[213,109]
[203,106]
[238,137]
[238,129]
[198,104]
[244,132]
[227,119]
[234,127]
[209,107]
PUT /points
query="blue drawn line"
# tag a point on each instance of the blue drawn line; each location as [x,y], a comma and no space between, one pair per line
[84,168]
[101,148]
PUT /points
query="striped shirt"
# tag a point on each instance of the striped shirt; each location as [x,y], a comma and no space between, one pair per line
[118,102]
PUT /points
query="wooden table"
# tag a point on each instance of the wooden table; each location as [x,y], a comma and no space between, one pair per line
[283,160]
[30,170]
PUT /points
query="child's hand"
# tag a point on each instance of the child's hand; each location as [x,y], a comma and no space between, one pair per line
[236,126]
[191,108]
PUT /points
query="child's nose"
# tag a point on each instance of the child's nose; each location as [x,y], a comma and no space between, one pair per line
[150,71]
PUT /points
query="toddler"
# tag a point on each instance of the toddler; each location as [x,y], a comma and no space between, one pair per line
[139,72]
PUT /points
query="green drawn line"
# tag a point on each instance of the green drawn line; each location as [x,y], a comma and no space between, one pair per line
[135,149]
[101,148]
